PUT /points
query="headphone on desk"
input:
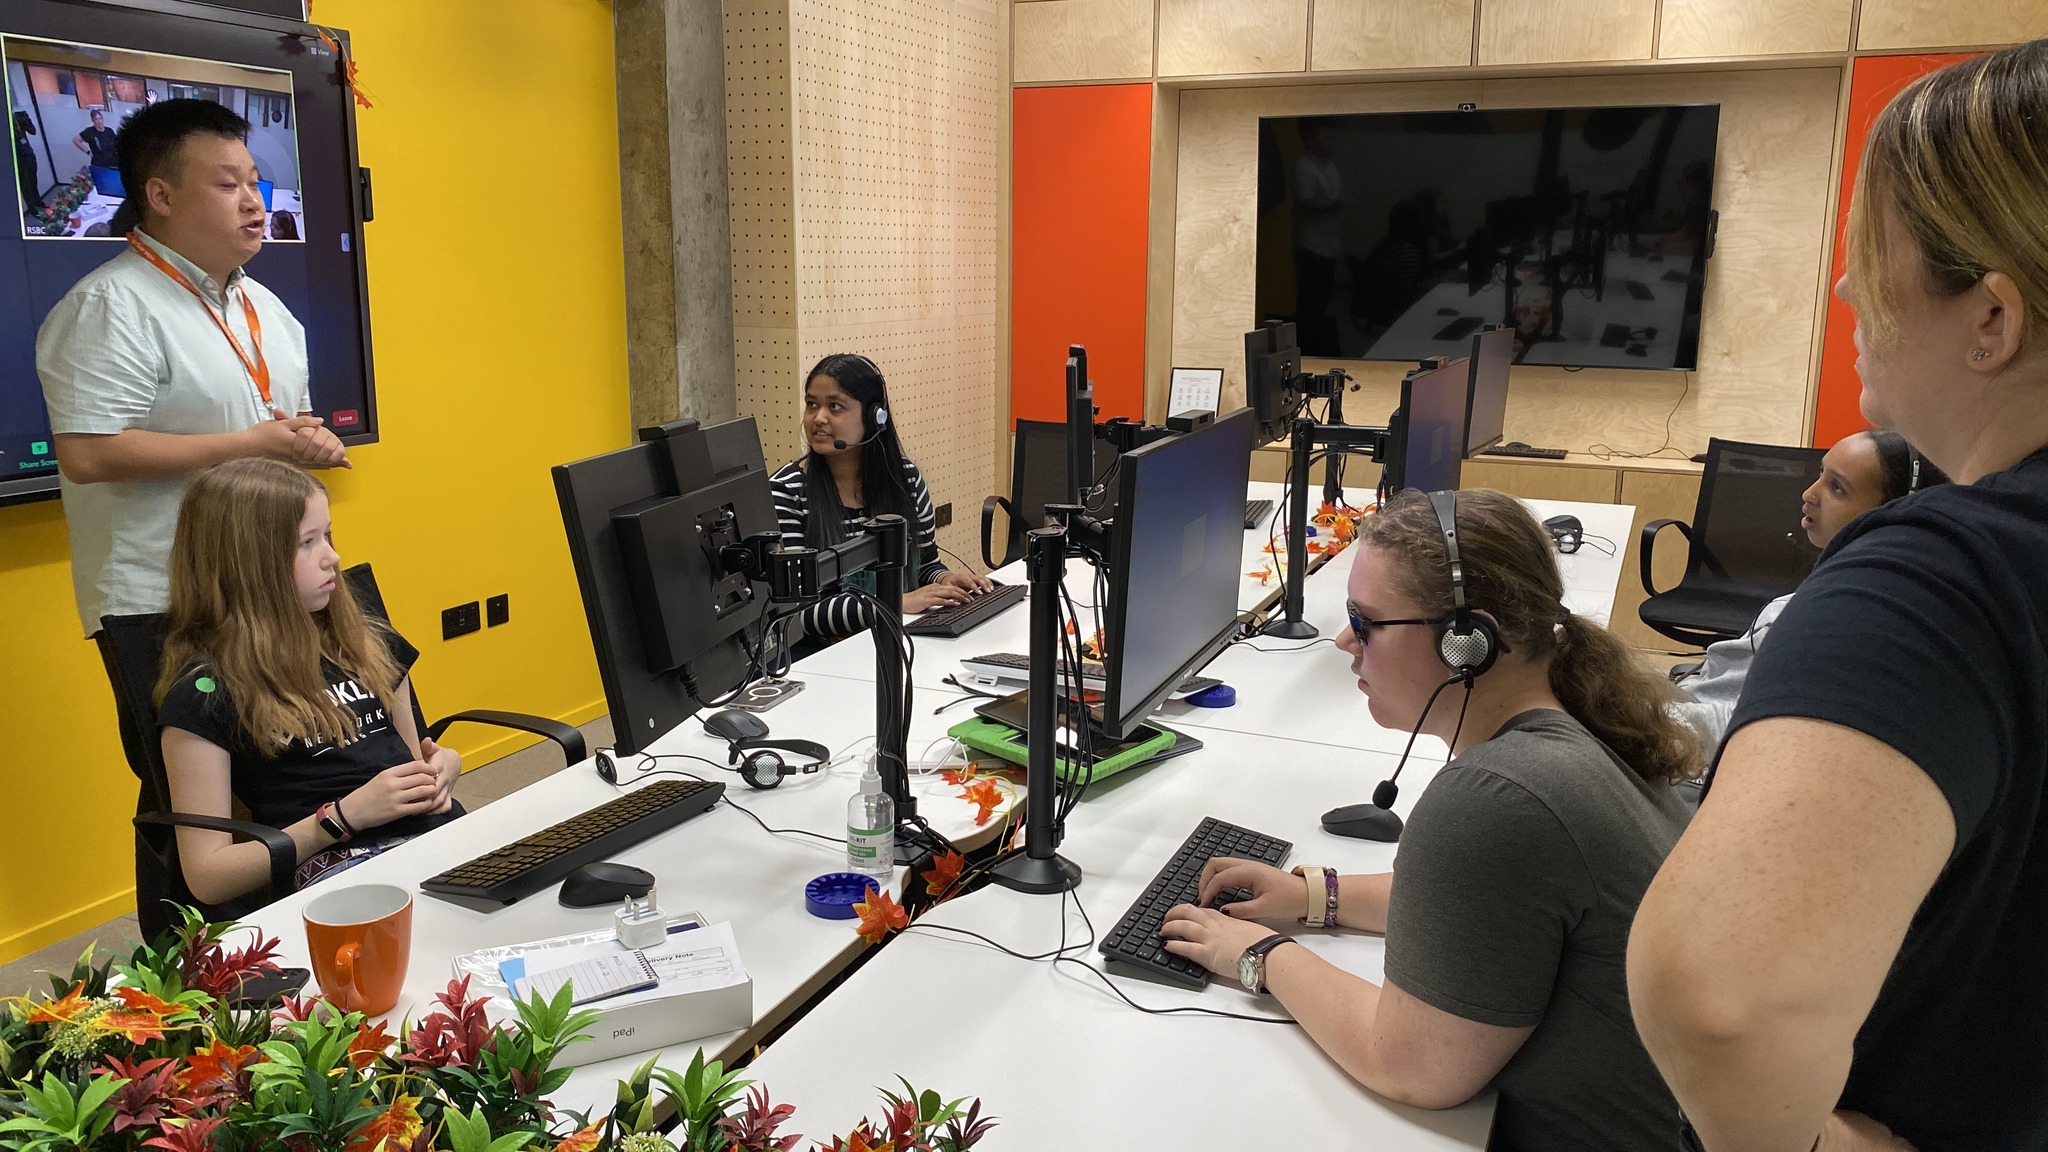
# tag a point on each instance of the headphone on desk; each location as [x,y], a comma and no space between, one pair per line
[763,767]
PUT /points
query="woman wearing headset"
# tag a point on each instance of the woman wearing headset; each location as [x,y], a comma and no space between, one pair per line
[855,468]
[1507,912]
[1860,472]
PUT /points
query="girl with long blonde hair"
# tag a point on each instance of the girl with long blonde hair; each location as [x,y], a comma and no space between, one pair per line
[277,689]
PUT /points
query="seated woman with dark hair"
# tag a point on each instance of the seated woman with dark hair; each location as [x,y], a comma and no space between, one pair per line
[855,468]
[1859,473]
[1507,912]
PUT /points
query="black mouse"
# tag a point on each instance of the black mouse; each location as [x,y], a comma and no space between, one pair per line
[1514,444]
[1447,311]
[1363,822]
[732,725]
[603,882]
[1566,531]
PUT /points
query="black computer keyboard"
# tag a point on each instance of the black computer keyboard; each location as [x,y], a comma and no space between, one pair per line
[533,862]
[1256,511]
[1134,942]
[1524,451]
[960,619]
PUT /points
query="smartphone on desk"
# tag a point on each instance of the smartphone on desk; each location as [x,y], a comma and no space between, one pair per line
[766,694]
[267,987]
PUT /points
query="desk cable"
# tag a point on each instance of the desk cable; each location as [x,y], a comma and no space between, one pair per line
[647,767]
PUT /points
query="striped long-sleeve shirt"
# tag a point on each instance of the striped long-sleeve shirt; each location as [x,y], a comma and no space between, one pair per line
[839,614]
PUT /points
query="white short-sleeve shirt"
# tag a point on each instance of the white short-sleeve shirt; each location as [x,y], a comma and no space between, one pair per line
[128,347]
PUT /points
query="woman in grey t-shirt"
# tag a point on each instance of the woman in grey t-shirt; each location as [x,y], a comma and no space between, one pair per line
[1507,912]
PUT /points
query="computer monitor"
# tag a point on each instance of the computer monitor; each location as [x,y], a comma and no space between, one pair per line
[1175,554]
[672,629]
[1493,351]
[1271,363]
[1431,428]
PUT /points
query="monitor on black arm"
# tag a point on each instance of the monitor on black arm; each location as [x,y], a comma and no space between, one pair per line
[1493,353]
[1271,364]
[66,61]
[673,630]
[1429,430]
[1173,583]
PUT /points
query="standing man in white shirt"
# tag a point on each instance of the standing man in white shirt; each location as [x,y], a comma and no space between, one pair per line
[168,359]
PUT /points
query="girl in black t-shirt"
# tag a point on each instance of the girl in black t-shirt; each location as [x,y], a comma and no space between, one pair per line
[278,690]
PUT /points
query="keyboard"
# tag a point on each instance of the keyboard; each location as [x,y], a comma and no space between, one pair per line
[533,862]
[960,619]
[1134,942]
[1255,512]
[1015,667]
[1524,451]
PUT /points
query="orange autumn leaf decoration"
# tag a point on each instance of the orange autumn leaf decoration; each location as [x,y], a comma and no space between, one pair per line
[73,1005]
[140,1018]
[582,1141]
[880,915]
[398,1124]
[985,797]
[371,1042]
[1264,575]
[954,777]
[943,873]
[216,1066]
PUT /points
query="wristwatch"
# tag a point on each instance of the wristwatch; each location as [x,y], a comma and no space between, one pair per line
[1251,967]
[330,821]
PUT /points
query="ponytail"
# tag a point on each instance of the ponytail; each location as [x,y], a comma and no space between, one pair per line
[1625,705]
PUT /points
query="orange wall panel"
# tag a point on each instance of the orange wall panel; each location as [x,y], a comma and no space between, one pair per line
[1080,189]
[1873,84]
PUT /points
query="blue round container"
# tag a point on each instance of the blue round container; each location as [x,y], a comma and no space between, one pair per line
[833,895]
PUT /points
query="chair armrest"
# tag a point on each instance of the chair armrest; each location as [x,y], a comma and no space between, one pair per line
[988,526]
[284,851]
[1649,545]
[570,740]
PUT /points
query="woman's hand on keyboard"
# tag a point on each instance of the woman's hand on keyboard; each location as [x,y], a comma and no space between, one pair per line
[932,596]
[1275,895]
[1209,938]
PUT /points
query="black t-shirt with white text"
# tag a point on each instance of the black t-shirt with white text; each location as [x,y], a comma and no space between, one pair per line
[284,789]
[1926,627]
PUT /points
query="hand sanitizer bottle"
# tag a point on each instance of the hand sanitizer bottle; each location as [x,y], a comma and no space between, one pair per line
[871,830]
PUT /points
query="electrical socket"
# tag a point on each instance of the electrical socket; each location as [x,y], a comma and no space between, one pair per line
[461,620]
[942,515]
[498,609]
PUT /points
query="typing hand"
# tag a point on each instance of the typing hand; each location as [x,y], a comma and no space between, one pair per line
[1208,937]
[932,596]
[447,766]
[1275,895]
[968,582]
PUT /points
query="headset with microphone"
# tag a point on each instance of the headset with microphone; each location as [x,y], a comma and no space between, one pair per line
[1468,644]
[881,413]
[763,766]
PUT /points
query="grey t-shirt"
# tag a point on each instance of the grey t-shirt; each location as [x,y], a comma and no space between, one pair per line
[1517,878]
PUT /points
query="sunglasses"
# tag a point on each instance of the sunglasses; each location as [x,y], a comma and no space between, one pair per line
[1361,623]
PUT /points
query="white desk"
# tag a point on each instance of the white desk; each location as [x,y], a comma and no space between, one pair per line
[720,864]
[1055,1055]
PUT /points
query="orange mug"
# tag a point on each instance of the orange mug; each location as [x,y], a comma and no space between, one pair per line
[360,938]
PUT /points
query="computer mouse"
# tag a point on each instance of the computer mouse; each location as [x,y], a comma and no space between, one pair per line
[1566,532]
[1514,444]
[1363,822]
[604,882]
[1447,311]
[733,724]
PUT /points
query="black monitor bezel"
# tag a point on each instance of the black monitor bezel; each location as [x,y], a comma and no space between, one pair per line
[1501,334]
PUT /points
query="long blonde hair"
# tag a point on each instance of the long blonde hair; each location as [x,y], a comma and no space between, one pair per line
[1959,160]
[235,609]
[1511,574]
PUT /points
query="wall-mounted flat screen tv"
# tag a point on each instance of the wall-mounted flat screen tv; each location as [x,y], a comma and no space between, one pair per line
[1395,236]
[71,72]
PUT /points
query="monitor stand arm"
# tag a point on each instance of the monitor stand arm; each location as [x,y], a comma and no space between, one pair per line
[1308,435]
[1041,869]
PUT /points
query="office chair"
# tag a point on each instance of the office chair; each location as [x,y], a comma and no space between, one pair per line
[132,648]
[1745,547]
[1038,476]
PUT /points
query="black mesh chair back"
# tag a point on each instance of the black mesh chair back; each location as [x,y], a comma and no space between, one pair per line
[1745,544]
[1038,476]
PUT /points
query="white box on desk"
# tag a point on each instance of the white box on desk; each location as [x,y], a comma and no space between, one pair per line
[636,1025]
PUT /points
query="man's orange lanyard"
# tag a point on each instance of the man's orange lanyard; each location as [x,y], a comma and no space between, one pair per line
[259,368]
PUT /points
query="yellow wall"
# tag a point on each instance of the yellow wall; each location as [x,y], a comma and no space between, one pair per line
[497,304]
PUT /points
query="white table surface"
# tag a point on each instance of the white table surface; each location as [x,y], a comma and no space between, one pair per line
[720,864]
[1054,1054]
